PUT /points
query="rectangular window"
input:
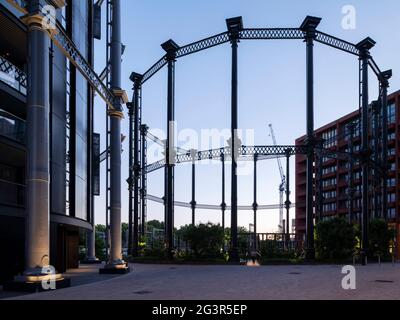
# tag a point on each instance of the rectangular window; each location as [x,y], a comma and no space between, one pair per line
[391,113]
[330,138]
[391,197]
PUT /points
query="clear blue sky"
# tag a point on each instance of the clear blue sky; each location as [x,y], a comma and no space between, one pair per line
[271,83]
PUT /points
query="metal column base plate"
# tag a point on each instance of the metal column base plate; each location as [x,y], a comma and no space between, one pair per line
[118,268]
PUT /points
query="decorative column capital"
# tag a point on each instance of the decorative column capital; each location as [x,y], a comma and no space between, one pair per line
[364,46]
[309,25]
[170,47]
[115,113]
[384,78]
[234,26]
[136,78]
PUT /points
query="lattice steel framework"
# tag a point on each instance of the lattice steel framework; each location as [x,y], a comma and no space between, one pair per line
[246,152]
[308,33]
[68,48]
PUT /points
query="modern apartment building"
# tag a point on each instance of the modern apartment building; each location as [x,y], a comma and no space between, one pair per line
[339,180]
[70,143]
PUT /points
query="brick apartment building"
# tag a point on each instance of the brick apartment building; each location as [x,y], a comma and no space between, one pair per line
[332,176]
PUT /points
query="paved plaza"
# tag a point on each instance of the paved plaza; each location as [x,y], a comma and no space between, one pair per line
[177,282]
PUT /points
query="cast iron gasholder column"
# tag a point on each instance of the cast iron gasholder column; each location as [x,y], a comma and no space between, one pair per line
[170,47]
[364,46]
[37,132]
[376,115]
[386,75]
[135,111]
[223,203]
[193,202]
[234,25]
[351,129]
[143,188]
[255,204]
[131,176]
[309,26]
[287,202]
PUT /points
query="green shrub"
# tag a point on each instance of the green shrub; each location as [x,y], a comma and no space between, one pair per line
[334,239]
[380,236]
[205,240]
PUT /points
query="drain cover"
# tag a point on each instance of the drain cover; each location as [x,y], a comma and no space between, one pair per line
[384,281]
[142,292]
[294,273]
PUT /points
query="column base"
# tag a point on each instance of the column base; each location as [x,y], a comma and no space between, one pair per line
[33,283]
[118,267]
[90,261]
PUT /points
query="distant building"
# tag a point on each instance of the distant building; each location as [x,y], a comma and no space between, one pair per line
[334,175]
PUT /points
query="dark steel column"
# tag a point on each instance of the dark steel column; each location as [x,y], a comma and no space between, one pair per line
[364,47]
[376,112]
[351,128]
[255,204]
[37,132]
[320,195]
[130,107]
[287,202]
[170,47]
[137,80]
[116,116]
[386,75]
[234,26]
[143,189]
[193,202]
[223,204]
[308,27]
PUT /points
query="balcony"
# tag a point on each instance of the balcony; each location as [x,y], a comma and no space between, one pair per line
[12,193]
[13,76]
[12,127]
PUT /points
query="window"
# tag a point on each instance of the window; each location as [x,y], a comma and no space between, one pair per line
[391,197]
[329,207]
[391,213]
[328,182]
[391,113]
[391,182]
[329,170]
[330,138]
[392,152]
[329,194]
[12,127]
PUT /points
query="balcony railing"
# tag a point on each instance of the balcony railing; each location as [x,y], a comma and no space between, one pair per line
[12,127]
[13,76]
[12,193]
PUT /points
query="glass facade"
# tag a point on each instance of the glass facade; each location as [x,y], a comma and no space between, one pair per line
[80,18]
[12,127]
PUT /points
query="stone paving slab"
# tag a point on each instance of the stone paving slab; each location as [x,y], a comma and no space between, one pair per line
[173,282]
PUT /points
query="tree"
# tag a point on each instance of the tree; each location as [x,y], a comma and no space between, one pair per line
[154,224]
[380,236]
[243,240]
[100,244]
[334,239]
[205,240]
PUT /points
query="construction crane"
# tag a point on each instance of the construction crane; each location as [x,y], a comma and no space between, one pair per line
[282,185]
